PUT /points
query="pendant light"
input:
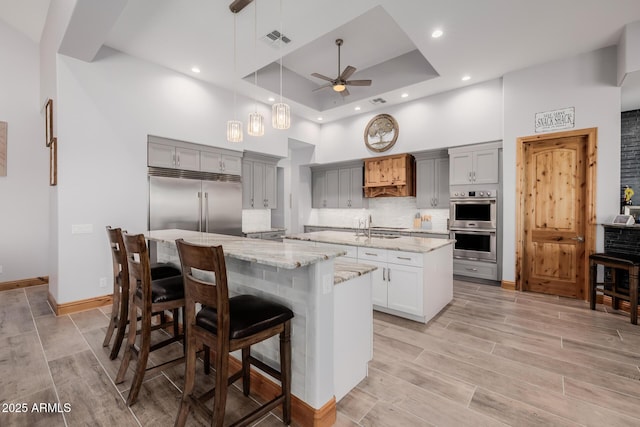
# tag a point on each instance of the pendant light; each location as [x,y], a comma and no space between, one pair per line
[234,127]
[280,112]
[255,127]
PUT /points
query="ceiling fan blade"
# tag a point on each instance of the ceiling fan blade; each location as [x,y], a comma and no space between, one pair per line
[358,82]
[347,72]
[320,76]
[345,92]
[322,87]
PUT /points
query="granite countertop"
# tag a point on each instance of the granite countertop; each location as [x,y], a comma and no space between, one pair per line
[345,270]
[277,254]
[264,230]
[632,226]
[400,243]
[382,228]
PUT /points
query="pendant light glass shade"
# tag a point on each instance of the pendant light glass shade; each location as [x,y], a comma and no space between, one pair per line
[280,116]
[256,124]
[234,131]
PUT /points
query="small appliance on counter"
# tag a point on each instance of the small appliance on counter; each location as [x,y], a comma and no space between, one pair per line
[634,211]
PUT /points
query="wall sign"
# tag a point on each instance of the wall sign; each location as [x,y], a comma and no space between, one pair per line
[381,133]
[564,118]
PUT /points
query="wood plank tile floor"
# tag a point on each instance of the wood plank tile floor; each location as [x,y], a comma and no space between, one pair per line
[492,358]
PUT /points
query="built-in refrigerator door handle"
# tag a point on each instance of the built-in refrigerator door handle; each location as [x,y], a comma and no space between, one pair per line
[199,211]
[206,212]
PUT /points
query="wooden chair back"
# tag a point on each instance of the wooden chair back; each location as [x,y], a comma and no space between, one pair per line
[208,289]
[139,267]
[118,255]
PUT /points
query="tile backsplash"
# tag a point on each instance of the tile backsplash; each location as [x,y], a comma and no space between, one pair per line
[256,219]
[384,211]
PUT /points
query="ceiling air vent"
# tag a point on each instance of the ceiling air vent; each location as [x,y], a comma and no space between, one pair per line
[274,39]
[376,101]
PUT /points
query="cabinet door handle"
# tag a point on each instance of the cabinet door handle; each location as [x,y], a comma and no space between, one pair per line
[474,176]
[470,179]
[173,159]
[178,156]
[369,253]
[384,274]
[251,202]
[388,274]
[472,269]
[404,258]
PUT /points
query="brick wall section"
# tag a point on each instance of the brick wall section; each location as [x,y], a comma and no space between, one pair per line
[622,240]
[630,154]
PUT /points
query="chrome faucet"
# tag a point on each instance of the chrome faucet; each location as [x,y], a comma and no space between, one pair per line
[369,228]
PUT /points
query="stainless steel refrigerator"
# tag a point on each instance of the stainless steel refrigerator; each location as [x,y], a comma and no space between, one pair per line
[196,201]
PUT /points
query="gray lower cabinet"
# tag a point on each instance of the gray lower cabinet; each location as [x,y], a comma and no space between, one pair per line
[477,269]
[259,184]
[432,183]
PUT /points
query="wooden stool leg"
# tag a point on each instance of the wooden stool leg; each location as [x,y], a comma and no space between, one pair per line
[207,359]
[615,303]
[633,293]
[593,276]
[285,371]
[189,382]
[131,342]
[123,318]
[143,357]
[222,382]
[115,314]
[246,371]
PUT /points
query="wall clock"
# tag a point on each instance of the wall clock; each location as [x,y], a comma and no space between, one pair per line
[381,133]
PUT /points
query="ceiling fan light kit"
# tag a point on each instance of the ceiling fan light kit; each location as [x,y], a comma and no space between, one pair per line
[340,83]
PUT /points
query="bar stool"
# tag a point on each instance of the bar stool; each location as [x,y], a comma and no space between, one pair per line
[120,304]
[228,324]
[618,263]
[150,297]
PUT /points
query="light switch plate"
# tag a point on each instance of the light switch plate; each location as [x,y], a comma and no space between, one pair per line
[81,228]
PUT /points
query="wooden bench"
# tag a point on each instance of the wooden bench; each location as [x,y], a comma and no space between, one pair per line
[618,263]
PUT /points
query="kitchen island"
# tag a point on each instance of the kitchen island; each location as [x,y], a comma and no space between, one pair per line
[414,279]
[302,278]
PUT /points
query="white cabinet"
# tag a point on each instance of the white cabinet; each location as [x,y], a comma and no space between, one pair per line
[404,288]
[259,183]
[432,181]
[350,194]
[474,165]
[218,162]
[168,156]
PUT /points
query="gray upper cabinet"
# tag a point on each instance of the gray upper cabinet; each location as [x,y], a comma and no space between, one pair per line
[432,186]
[474,165]
[219,162]
[350,188]
[174,154]
[168,156]
[259,183]
[337,188]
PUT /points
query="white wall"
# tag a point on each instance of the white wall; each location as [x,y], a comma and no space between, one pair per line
[586,82]
[24,192]
[106,110]
[459,117]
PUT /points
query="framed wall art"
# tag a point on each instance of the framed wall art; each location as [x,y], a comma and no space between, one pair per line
[53,161]
[48,122]
[3,148]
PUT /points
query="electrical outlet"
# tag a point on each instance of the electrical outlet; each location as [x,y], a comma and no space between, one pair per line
[103,282]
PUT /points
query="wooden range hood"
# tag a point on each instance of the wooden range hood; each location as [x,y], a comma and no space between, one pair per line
[390,176]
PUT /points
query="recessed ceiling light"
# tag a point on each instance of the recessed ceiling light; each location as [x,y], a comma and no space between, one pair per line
[271,99]
[465,78]
[357,108]
[404,95]
[195,69]
[436,34]
[320,118]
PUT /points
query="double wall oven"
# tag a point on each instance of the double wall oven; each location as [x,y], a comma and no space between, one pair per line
[472,223]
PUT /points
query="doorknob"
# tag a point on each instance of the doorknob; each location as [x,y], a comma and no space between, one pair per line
[578,238]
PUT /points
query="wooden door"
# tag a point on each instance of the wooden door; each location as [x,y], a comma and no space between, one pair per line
[555,221]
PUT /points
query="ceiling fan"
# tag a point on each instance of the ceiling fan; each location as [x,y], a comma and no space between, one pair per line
[340,83]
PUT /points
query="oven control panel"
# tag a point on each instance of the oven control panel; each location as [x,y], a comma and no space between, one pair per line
[473,194]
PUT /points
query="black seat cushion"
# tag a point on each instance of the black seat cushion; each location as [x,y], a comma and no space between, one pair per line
[167,289]
[160,271]
[248,314]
